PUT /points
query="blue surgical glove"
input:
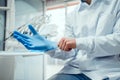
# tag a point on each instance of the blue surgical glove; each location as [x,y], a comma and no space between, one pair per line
[35,42]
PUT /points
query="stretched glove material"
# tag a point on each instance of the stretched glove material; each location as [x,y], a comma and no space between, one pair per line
[35,42]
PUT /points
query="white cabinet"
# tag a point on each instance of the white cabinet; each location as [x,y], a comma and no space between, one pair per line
[6,68]
[21,66]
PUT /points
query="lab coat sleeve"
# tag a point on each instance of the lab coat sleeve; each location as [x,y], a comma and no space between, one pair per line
[102,45]
[68,34]
[59,54]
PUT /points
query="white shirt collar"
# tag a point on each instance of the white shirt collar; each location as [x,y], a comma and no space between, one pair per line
[84,5]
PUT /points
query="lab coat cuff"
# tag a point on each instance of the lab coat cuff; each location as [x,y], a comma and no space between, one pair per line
[51,52]
[85,43]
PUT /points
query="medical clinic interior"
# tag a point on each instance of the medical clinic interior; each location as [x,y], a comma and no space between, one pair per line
[48,17]
[59,39]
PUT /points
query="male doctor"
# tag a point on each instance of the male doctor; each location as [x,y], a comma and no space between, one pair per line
[91,44]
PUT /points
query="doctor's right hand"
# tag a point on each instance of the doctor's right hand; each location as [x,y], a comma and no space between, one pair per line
[35,42]
[67,44]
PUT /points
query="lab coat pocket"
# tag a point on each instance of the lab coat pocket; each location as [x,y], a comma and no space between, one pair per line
[106,24]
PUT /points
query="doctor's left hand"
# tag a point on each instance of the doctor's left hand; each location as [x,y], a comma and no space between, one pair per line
[35,42]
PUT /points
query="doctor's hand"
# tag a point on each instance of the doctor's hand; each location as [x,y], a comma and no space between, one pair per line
[34,42]
[67,44]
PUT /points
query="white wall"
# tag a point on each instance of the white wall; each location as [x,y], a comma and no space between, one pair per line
[24,11]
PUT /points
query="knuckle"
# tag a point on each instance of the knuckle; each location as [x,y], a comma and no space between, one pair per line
[67,44]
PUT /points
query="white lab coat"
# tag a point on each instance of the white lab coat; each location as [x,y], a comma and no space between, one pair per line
[96,28]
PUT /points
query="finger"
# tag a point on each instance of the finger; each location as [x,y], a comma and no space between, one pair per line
[18,36]
[22,35]
[67,47]
[64,44]
[28,47]
[33,48]
[35,32]
[61,43]
[32,29]
[22,40]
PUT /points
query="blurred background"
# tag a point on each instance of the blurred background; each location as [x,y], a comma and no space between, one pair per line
[48,17]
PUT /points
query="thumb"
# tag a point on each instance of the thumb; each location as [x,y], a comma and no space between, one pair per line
[35,32]
[32,29]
